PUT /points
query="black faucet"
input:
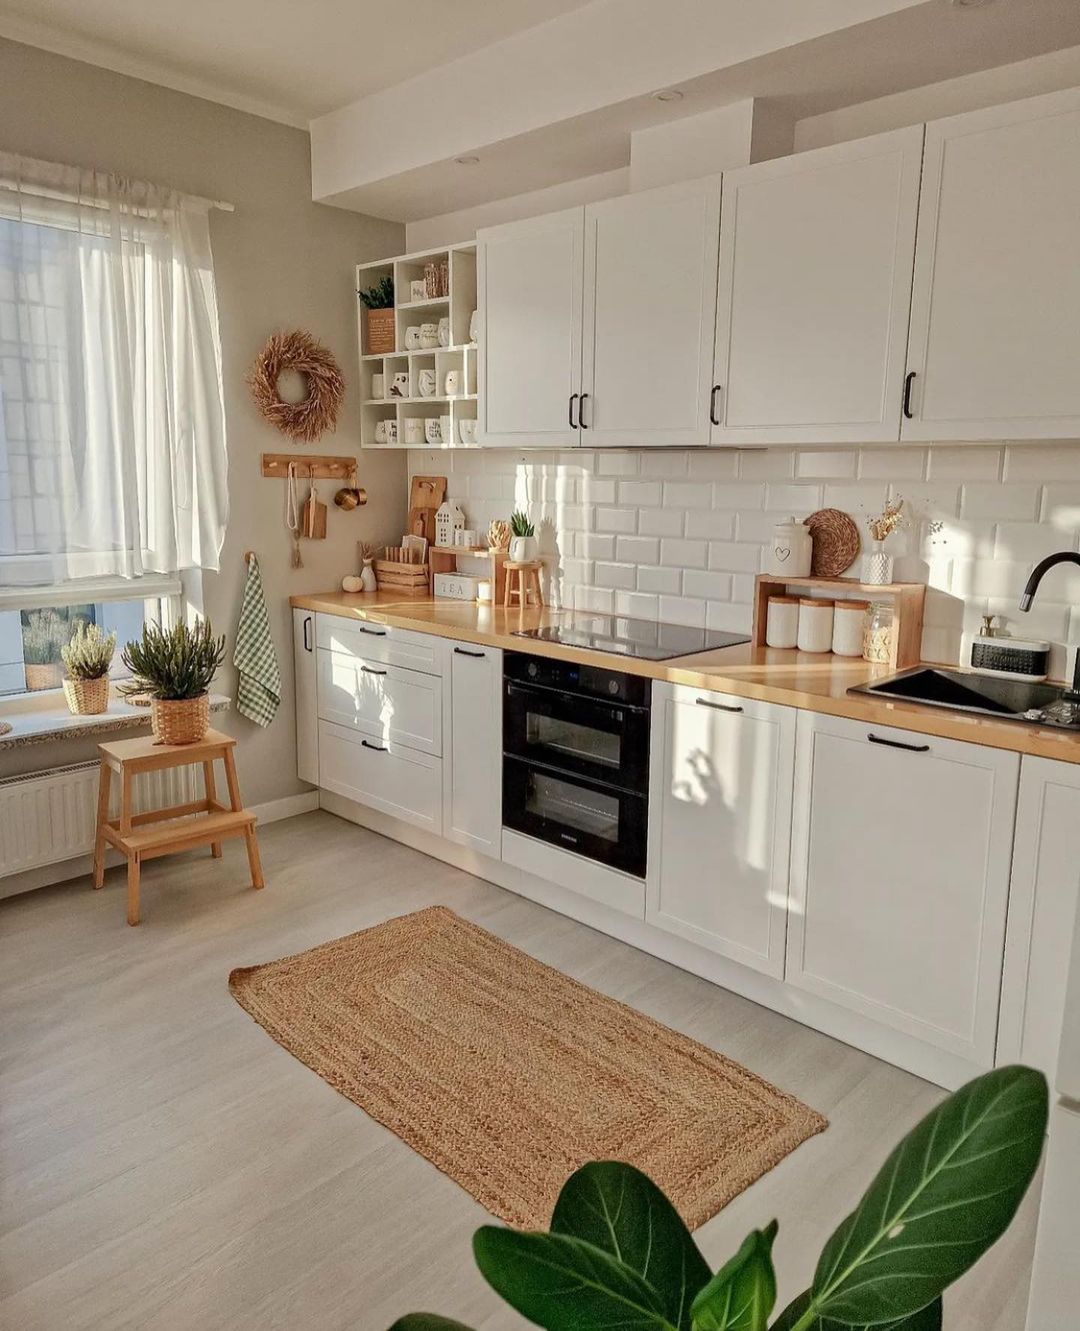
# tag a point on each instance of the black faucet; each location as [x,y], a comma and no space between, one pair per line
[1062,557]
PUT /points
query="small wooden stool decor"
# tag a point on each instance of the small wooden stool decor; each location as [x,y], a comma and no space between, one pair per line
[527,577]
[144,836]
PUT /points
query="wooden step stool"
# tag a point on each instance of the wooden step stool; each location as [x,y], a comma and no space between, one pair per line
[527,576]
[144,836]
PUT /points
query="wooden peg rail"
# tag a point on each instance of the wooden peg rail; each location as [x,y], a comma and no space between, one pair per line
[308,467]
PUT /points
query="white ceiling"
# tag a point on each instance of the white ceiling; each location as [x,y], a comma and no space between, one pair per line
[275,58]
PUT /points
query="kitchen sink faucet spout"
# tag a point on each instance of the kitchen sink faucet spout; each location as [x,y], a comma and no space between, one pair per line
[1062,557]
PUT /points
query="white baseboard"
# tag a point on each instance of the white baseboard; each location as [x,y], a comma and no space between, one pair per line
[287,807]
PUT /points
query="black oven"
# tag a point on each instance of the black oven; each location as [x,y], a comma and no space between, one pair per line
[576,758]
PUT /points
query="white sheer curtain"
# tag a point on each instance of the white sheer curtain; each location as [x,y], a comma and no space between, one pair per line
[112,421]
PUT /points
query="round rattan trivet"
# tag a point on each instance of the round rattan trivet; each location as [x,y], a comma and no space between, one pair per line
[836,542]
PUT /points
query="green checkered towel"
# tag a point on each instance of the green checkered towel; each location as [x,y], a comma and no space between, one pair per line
[258,693]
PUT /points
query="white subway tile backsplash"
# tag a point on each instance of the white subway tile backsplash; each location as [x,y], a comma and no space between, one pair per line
[964,462]
[792,498]
[682,610]
[617,464]
[684,554]
[729,617]
[640,493]
[826,465]
[637,605]
[667,580]
[1060,507]
[615,575]
[983,500]
[862,501]
[638,549]
[766,464]
[755,528]
[709,586]
[662,521]
[663,463]
[596,490]
[596,545]
[892,464]
[713,465]
[734,557]
[616,519]
[688,494]
[739,496]
[1040,462]
[709,523]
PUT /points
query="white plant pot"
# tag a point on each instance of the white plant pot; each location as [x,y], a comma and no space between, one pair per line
[523,549]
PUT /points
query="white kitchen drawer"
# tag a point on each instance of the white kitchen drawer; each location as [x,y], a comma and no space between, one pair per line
[380,642]
[575,873]
[385,701]
[392,778]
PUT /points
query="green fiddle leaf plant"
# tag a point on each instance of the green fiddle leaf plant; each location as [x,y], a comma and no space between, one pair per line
[618,1254]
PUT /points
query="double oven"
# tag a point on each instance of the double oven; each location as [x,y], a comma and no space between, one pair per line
[576,758]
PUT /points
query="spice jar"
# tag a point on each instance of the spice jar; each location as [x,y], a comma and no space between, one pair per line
[849,623]
[878,635]
[782,622]
[815,624]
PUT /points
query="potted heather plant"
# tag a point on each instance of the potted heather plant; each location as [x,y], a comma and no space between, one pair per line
[88,656]
[43,635]
[175,667]
[379,303]
[523,547]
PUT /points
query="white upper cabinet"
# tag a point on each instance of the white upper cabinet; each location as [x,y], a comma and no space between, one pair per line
[900,858]
[529,289]
[649,312]
[816,254]
[995,336]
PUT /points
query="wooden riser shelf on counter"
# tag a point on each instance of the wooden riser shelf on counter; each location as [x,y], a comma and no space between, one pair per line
[907,598]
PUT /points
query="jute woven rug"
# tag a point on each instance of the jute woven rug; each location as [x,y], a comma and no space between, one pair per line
[507,1075]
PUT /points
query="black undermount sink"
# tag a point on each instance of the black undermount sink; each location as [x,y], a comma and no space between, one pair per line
[1006,699]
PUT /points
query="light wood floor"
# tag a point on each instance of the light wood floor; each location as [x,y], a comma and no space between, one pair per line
[164,1164]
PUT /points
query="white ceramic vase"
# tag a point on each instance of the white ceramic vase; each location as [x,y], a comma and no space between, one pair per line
[523,549]
[878,566]
[367,577]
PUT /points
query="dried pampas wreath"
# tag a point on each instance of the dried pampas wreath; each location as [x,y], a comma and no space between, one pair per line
[308,420]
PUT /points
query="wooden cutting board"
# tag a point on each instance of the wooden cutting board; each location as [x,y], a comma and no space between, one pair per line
[426,493]
[313,520]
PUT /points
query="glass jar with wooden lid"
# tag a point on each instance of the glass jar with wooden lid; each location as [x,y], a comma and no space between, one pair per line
[849,622]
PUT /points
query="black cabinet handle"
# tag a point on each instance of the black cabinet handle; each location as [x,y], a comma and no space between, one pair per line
[374,633]
[307,640]
[907,394]
[460,651]
[720,706]
[573,399]
[899,744]
[379,748]
[367,670]
[712,404]
[581,411]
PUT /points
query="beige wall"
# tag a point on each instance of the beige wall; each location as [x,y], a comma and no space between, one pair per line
[281,262]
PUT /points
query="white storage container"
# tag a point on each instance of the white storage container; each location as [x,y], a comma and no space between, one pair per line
[815,624]
[463,587]
[849,624]
[782,622]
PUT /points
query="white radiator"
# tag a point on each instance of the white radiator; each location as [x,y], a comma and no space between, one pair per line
[47,817]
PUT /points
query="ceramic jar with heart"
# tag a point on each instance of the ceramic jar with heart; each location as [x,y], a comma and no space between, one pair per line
[790,550]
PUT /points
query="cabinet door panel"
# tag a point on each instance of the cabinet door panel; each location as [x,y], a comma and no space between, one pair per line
[650,311]
[816,254]
[995,340]
[720,823]
[529,284]
[307,706]
[396,780]
[473,744]
[384,701]
[899,882]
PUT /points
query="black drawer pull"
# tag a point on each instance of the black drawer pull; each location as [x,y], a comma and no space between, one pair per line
[907,393]
[720,706]
[307,640]
[374,633]
[573,399]
[460,651]
[581,411]
[712,404]
[367,670]
[379,748]
[899,744]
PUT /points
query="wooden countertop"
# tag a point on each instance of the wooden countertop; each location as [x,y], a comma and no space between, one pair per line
[790,678]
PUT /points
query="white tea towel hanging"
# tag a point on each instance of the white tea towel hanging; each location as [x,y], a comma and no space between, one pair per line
[258,692]
[292,515]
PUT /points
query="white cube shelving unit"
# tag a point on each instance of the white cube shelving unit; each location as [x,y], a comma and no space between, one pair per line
[460,355]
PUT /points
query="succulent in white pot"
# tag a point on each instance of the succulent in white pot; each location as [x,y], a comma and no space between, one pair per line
[524,547]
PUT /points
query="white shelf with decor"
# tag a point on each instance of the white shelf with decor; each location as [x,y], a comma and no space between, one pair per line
[448,277]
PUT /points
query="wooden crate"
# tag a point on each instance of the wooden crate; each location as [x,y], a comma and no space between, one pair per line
[399,576]
[907,600]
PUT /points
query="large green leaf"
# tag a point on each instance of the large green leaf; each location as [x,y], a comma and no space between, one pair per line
[926,1319]
[621,1210]
[427,1322]
[741,1295]
[565,1284]
[944,1195]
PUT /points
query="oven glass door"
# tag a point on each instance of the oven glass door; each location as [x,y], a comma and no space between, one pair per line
[602,823]
[608,742]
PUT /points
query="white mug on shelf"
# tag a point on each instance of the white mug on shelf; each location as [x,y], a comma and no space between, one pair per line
[446,430]
[426,382]
[378,385]
[380,432]
[391,432]
[412,337]
[429,336]
[433,430]
[453,383]
[444,331]
[467,430]
[417,289]
[414,430]
[472,326]
[400,385]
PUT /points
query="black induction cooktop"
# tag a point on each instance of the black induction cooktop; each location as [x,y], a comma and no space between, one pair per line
[634,637]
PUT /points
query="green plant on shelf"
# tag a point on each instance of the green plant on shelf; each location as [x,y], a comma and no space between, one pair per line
[89,653]
[618,1254]
[380,296]
[520,524]
[173,664]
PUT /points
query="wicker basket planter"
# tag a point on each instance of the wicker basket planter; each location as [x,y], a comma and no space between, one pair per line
[183,721]
[49,676]
[87,697]
[381,332]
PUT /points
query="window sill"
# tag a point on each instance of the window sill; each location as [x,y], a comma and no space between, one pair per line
[38,720]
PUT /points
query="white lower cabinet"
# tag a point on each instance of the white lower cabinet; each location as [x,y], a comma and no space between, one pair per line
[473,749]
[307,699]
[402,782]
[384,701]
[901,851]
[720,822]
[1042,908]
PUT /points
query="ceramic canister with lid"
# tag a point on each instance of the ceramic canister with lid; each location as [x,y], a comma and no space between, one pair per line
[815,624]
[791,549]
[849,621]
[782,622]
